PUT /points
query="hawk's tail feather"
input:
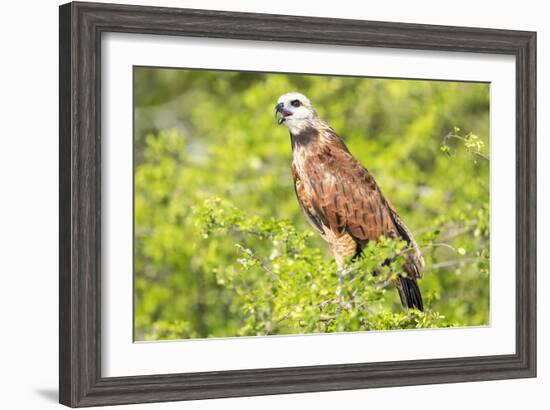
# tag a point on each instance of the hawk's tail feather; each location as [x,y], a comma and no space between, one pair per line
[409,293]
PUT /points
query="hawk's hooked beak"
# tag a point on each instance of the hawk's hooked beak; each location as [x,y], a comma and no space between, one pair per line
[279,109]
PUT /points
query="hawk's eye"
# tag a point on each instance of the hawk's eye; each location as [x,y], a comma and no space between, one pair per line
[295,103]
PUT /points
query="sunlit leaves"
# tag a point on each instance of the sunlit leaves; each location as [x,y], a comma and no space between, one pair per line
[471,142]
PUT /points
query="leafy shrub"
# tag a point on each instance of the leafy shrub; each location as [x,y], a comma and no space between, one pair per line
[290,287]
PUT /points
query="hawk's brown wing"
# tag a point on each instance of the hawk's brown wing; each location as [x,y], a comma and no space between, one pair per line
[305,202]
[345,199]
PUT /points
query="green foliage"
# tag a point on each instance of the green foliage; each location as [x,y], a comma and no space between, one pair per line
[221,246]
[287,286]
[472,143]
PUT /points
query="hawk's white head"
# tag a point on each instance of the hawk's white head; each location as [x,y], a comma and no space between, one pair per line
[295,110]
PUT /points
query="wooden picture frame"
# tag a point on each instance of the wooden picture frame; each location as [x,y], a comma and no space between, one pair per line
[81,28]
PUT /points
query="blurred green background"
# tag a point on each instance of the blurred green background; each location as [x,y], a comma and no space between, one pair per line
[214,196]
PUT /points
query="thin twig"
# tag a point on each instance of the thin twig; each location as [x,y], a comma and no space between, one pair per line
[440,245]
[475,152]
[454,262]
[339,292]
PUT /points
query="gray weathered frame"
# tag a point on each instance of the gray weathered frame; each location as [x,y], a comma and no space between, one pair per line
[81,27]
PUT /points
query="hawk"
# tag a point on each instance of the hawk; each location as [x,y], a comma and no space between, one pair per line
[340,198]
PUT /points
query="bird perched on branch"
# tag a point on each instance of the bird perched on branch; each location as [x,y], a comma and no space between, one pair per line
[340,198]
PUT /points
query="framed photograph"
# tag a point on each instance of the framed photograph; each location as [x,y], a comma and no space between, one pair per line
[259,204]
